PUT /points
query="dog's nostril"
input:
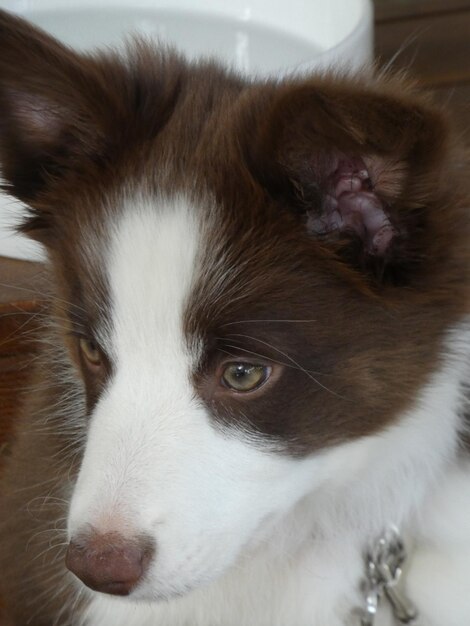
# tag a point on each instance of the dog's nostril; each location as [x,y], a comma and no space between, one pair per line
[109,562]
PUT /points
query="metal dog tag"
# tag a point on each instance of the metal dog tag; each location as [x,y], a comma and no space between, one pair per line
[383,573]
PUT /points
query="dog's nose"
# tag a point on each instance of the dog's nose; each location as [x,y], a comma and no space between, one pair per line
[109,562]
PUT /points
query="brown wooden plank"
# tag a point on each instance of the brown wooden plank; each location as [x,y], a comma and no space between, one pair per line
[435,49]
[396,9]
[21,294]
[20,281]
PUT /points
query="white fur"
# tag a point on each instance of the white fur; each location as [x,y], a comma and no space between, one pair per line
[245,536]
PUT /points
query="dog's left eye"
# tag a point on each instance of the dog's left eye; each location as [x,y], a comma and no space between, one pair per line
[245,376]
[90,351]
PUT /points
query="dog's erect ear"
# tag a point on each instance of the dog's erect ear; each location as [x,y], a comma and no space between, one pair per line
[361,167]
[46,121]
[65,114]
[54,112]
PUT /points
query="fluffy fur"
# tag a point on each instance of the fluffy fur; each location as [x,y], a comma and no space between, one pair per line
[192,219]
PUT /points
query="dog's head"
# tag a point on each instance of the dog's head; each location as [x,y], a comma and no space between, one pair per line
[252,278]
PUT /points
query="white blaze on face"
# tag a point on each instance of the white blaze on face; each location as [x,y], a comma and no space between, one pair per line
[154,462]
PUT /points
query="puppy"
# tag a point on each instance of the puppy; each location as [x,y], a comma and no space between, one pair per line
[256,351]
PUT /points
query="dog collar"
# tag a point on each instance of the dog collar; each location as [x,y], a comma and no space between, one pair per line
[384,573]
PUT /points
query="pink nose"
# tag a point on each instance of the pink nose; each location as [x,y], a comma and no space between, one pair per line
[109,562]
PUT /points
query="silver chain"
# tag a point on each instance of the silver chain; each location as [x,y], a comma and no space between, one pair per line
[383,571]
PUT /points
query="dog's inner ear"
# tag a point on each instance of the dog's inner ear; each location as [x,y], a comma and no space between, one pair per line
[362,170]
[349,203]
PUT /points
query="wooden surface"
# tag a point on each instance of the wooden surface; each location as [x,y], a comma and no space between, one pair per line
[21,283]
[414,9]
[431,40]
[435,46]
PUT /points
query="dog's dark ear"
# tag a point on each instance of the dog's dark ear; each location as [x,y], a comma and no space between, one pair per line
[46,116]
[63,114]
[360,166]
[52,108]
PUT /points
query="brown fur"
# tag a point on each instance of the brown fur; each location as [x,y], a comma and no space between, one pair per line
[356,335]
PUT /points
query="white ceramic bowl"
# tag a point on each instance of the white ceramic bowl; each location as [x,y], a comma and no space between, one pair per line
[262,37]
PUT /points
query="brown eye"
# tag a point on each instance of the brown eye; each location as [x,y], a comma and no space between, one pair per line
[245,376]
[90,351]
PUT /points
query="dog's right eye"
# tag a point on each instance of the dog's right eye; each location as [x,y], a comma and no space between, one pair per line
[244,377]
[90,351]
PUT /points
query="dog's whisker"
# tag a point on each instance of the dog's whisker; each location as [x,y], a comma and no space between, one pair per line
[269,321]
[298,365]
[262,355]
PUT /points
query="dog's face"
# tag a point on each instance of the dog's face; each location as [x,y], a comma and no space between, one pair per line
[252,280]
[173,449]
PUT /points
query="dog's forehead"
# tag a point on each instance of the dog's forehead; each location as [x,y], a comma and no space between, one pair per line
[151,265]
[184,268]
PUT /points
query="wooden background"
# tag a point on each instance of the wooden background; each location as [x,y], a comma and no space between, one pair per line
[430,38]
